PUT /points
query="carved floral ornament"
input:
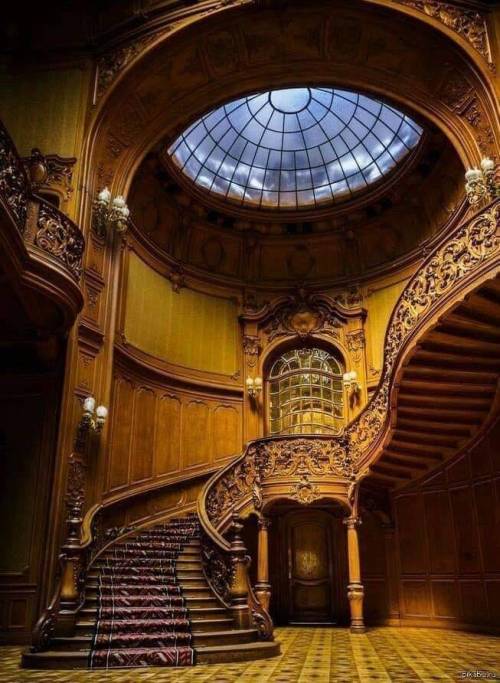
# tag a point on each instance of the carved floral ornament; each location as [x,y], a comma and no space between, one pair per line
[356,344]
[50,171]
[14,185]
[302,315]
[251,348]
[471,246]
[60,237]
[469,24]
[277,458]
[462,99]
[304,491]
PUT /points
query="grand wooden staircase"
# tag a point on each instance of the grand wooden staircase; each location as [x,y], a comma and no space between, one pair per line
[175,620]
[437,395]
[447,391]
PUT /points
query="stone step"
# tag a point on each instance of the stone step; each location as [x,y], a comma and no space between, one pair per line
[207,654]
[185,552]
[208,624]
[180,563]
[87,626]
[191,588]
[183,575]
[90,612]
[83,642]
[191,600]
[227,637]
[241,652]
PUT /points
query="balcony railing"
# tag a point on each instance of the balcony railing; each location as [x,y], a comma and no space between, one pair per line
[39,223]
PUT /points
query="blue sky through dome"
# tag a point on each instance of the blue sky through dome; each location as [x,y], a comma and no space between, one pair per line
[294,148]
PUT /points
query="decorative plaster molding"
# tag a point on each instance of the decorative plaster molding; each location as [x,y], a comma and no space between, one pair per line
[469,24]
[111,64]
[51,172]
[251,348]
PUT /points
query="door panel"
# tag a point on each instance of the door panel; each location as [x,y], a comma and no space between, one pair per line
[310,566]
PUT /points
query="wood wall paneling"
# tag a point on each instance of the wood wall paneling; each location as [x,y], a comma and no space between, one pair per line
[196,436]
[121,416]
[455,514]
[159,431]
[143,434]
[168,435]
[28,414]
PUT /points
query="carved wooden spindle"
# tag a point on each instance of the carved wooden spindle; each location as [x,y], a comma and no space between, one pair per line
[263,587]
[238,593]
[355,591]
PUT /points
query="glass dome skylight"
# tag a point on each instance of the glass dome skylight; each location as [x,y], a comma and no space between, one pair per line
[294,148]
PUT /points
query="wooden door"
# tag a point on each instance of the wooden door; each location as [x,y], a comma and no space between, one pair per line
[310,566]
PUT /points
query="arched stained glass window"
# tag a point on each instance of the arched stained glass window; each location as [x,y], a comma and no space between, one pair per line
[306,393]
[294,148]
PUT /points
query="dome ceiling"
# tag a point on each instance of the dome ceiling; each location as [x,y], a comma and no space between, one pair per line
[294,148]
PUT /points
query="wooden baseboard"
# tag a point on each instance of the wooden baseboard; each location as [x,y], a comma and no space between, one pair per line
[429,622]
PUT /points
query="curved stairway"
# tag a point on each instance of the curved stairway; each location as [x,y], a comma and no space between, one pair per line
[447,391]
[148,603]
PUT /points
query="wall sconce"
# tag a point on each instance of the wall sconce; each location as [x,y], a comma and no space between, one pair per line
[109,214]
[481,183]
[353,387]
[254,386]
[93,418]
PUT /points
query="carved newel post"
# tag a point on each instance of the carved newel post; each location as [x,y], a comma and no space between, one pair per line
[72,554]
[263,587]
[355,591]
[238,594]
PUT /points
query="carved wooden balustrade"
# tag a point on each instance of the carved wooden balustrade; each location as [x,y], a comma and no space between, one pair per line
[45,230]
[309,467]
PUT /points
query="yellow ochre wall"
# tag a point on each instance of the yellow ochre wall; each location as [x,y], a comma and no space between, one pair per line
[186,328]
[45,109]
[379,301]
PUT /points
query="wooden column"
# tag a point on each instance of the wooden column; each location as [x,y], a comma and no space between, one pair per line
[239,587]
[355,591]
[263,587]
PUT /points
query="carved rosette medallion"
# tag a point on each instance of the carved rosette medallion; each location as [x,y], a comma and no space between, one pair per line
[304,491]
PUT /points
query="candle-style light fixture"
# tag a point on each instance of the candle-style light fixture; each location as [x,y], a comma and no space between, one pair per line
[109,213]
[481,184]
[93,418]
[353,387]
[254,386]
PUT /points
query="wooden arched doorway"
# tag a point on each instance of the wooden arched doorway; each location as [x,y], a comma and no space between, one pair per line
[308,564]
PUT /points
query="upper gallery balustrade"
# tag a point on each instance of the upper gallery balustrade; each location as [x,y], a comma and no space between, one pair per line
[53,232]
[37,236]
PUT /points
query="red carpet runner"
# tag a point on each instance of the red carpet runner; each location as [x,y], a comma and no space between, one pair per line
[142,619]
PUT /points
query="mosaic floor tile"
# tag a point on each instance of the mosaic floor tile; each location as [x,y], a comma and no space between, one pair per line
[313,655]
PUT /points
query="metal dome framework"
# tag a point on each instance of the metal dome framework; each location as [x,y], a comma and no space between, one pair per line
[294,148]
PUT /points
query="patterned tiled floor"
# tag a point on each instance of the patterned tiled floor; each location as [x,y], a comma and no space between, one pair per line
[317,655]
